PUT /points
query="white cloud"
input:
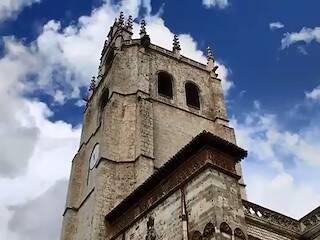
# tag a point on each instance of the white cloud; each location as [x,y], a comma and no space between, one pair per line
[10,8]
[257,104]
[223,74]
[273,148]
[261,135]
[302,50]
[273,191]
[306,35]
[215,3]
[314,94]
[24,123]
[80,103]
[40,218]
[49,160]
[59,97]
[33,143]
[276,25]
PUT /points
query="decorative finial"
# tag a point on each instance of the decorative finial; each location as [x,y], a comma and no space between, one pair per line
[176,44]
[209,54]
[121,19]
[106,43]
[210,63]
[92,84]
[143,31]
[130,23]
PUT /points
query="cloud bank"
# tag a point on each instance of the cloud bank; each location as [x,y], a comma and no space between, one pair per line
[279,163]
[31,224]
[10,8]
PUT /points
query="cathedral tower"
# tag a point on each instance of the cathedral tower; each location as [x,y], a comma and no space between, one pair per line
[145,105]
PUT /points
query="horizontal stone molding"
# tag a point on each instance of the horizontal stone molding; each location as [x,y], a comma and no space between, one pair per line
[76,209]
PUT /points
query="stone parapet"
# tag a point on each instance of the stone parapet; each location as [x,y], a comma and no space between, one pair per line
[274,219]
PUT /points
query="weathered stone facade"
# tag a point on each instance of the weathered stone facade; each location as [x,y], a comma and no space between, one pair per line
[132,128]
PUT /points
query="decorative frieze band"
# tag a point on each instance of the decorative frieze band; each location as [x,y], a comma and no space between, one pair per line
[263,214]
[311,219]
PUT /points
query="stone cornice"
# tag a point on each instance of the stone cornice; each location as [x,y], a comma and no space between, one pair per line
[311,220]
[152,99]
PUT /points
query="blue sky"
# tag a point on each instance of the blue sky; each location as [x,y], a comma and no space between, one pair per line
[268,53]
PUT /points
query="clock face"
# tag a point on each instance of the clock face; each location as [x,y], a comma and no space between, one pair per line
[94,156]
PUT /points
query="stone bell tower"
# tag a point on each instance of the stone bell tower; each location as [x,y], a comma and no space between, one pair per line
[148,102]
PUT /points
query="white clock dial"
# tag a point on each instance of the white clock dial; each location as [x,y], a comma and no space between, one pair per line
[94,156]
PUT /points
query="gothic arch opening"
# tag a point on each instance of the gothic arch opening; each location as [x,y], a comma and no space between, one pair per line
[192,95]
[239,235]
[208,232]
[226,231]
[165,82]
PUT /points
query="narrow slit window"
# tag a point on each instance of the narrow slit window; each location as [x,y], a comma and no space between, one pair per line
[104,99]
[192,95]
[165,85]
[102,104]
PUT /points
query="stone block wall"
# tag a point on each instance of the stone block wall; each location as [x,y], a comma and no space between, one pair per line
[167,221]
[213,197]
[264,234]
[174,128]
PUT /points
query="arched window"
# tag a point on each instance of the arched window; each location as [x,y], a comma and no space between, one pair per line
[192,95]
[208,232]
[239,235]
[165,84]
[225,230]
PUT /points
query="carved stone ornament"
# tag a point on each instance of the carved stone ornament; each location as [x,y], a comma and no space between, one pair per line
[151,233]
[225,228]
[239,234]
[312,218]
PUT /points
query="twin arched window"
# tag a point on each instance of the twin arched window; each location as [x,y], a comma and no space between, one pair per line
[165,88]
